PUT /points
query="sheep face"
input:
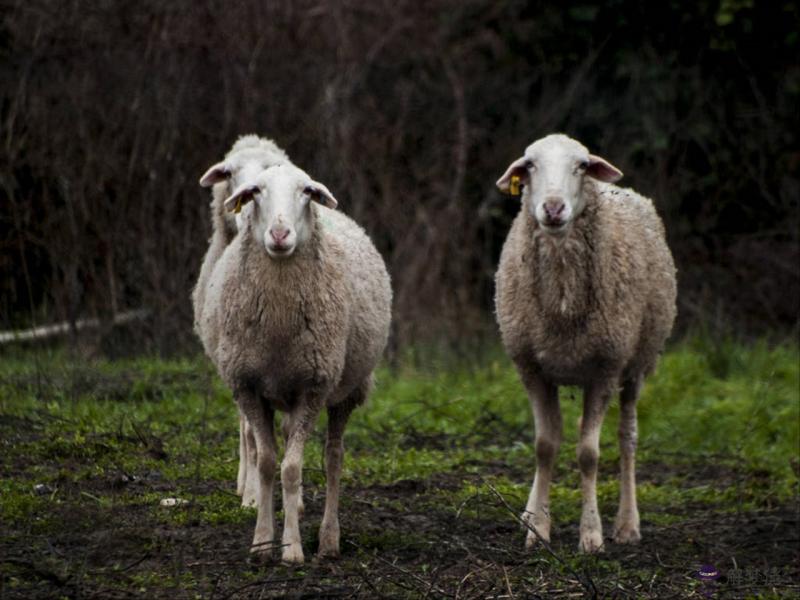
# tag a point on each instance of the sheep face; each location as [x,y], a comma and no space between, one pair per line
[279,212]
[551,174]
[242,165]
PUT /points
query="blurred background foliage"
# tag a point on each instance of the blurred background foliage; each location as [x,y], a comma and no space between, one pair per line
[409,111]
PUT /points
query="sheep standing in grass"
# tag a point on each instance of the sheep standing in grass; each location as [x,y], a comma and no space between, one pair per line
[295,319]
[248,156]
[586,297]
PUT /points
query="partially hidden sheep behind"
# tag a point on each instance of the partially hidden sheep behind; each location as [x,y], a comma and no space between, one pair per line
[586,297]
[296,318]
[249,155]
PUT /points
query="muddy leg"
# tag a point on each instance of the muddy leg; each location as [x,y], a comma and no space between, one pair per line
[286,427]
[250,458]
[595,402]
[262,453]
[334,457]
[543,397]
[302,424]
[626,526]
[242,475]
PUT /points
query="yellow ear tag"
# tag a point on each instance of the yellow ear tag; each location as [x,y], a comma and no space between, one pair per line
[238,208]
[513,188]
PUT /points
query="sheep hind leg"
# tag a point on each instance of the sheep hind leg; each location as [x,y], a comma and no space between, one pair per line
[547,420]
[262,453]
[241,477]
[626,525]
[303,418]
[286,428]
[334,458]
[595,401]
[250,460]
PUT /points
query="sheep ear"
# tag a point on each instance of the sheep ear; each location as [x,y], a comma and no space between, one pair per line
[243,194]
[215,174]
[603,170]
[319,193]
[515,176]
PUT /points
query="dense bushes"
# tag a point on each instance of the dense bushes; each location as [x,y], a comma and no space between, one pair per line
[409,111]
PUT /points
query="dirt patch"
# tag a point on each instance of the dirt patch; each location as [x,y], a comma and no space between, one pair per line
[96,529]
[397,542]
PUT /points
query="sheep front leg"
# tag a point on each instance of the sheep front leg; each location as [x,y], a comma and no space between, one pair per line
[595,402]
[626,526]
[302,421]
[547,421]
[262,453]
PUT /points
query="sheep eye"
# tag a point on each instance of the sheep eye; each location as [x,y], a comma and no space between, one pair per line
[583,165]
[528,164]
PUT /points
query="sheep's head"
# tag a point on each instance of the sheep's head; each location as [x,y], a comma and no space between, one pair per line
[238,167]
[551,175]
[249,156]
[281,215]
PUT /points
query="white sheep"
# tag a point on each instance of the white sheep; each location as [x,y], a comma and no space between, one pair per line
[248,156]
[296,318]
[585,296]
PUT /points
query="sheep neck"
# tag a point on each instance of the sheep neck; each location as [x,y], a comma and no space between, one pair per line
[562,268]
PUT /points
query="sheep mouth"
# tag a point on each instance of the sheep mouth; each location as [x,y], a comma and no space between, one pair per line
[554,226]
[280,251]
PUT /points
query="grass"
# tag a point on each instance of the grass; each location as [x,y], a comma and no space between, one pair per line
[93,442]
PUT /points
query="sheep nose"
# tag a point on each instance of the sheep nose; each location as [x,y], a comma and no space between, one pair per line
[553,207]
[279,234]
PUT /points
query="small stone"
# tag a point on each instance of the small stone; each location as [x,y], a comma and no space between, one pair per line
[173,501]
[42,489]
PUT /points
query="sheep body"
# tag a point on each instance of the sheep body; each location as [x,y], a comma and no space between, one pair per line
[297,335]
[285,336]
[599,302]
[585,295]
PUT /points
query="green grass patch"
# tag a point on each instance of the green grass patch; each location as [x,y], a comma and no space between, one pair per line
[725,404]
[83,443]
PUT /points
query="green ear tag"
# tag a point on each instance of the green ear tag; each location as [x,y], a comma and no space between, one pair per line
[513,188]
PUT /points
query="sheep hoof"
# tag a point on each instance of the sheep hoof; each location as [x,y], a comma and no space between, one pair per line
[627,533]
[293,555]
[261,554]
[329,541]
[541,529]
[532,540]
[591,542]
[327,551]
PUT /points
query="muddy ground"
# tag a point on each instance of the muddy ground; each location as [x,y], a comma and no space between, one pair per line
[396,543]
[430,503]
